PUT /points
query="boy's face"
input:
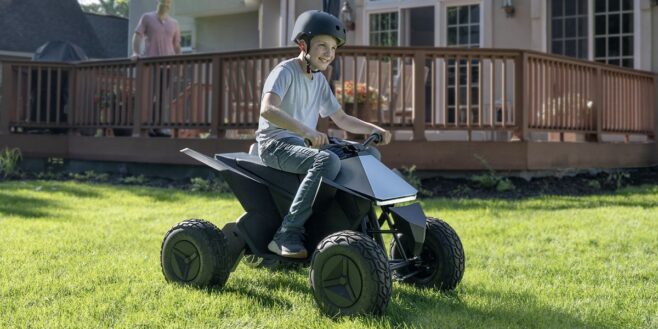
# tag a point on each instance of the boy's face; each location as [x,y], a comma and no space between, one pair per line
[323,51]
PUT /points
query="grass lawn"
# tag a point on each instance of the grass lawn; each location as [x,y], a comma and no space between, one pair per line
[87,256]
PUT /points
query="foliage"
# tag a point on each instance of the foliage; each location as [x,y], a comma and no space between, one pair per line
[491,179]
[53,169]
[9,159]
[594,184]
[214,184]
[133,180]
[617,178]
[370,94]
[108,7]
[409,175]
[90,176]
[461,191]
[504,185]
[77,255]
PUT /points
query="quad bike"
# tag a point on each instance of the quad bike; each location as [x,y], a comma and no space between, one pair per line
[350,272]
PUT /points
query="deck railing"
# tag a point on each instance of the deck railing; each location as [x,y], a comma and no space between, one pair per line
[472,91]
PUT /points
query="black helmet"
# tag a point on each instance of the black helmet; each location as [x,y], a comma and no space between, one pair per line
[314,22]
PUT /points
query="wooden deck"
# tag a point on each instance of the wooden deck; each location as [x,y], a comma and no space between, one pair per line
[445,155]
[449,108]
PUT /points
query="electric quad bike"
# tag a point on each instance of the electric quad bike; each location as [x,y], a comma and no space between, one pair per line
[350,272]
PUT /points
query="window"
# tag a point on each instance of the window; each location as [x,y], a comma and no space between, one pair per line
[613,32]
[186,41]
[569,28]
[463,26]
[384,29]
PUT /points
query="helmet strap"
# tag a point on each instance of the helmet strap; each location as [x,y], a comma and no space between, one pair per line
[306,54]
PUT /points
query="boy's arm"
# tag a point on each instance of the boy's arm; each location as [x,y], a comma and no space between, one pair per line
[358,126]
[269,109]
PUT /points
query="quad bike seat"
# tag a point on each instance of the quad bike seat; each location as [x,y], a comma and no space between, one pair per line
[253,164]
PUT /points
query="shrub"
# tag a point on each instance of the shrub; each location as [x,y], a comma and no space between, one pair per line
[90,176]
[618,178]
[594,184]
[215,184]
[133,180]
[409,175]
[504,185]
[461,191]
[9,159]
[491,179]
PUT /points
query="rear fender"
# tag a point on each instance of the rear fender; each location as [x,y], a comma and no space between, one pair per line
[235,244]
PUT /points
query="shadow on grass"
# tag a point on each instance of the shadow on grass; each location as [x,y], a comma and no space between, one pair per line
[496,309]
[33,206]
[261,291]
[173,194]
[26,207]
[80,191]
[424,308]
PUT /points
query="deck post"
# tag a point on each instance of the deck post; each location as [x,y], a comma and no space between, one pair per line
[521,97]
[72,98]
[217,117]
[6,98]
[654,107]
[418,100]
[598,103]
[140,94]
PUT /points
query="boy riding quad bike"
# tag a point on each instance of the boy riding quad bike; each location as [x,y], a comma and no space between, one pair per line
[350,272]
[304,191]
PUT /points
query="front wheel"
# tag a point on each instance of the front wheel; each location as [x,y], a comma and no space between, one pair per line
[350,275]
[442,258]
[194,252]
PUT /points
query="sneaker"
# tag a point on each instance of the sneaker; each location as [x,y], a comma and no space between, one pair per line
[288,245]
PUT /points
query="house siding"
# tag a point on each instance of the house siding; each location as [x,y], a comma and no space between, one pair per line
[512,32]
[653,40]
[269,25]
[527,29]
[228,33]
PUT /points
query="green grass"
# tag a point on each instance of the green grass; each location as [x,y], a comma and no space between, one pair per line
[87,256]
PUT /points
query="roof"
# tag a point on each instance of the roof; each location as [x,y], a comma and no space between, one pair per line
[112,31]
[28,24]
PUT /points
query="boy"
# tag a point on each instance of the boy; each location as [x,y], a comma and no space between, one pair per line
[294,94]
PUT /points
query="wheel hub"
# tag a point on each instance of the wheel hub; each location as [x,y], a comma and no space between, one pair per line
[342,281]
[185,261]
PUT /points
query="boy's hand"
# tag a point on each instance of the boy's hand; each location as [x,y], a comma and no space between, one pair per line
[386,136]
[317,138]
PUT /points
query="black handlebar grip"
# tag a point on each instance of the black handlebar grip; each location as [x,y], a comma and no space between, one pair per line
[377,138]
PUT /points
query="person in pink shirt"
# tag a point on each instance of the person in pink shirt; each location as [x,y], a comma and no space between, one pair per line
[161,36]
[159,31]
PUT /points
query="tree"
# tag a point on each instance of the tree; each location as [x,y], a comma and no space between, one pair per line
[108,7]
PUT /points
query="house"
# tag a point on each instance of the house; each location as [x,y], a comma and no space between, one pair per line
[464,84]
[618,32]
[28,24]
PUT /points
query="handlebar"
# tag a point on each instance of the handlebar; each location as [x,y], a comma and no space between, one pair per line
[373,138]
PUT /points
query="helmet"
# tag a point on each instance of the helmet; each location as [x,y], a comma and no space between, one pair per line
[314,22]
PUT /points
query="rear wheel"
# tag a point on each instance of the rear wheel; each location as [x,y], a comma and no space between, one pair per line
[194,252]
[442,258]
[350,275]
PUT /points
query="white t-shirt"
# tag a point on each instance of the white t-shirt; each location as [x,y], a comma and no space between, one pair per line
[302,98]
